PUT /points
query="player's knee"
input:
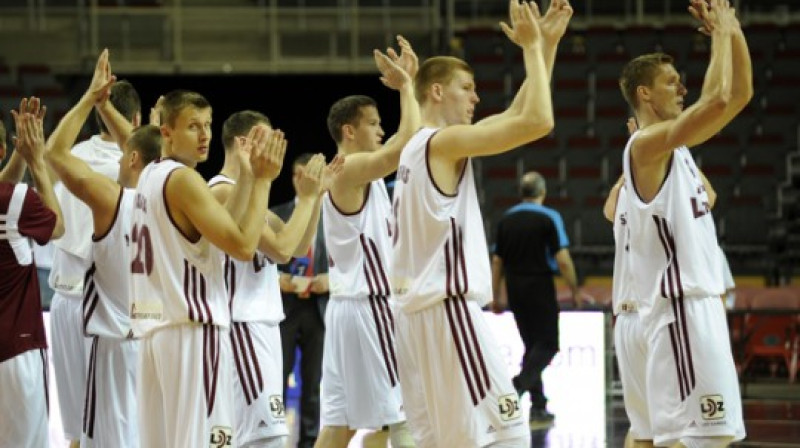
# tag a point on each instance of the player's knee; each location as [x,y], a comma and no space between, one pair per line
[632,442]
[706,442]
[400,435]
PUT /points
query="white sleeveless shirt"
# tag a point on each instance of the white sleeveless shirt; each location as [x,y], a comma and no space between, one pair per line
[107,285]
[359,245]
[71,256]
[175,281]
[673,250]
[439,242]
[621,285]
[254,292]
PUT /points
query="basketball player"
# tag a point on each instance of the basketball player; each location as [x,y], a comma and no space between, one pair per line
[26,216]
[109,415]
[440,264]
[180,303]
[630,341]
[71,260]
[671,243]
[360,386]
[254,293]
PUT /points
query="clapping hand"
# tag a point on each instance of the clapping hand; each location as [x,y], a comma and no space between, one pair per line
[28,121]
[266,148]
[331,171]
[554,22]
[100,86]
[524,29]
[311,177]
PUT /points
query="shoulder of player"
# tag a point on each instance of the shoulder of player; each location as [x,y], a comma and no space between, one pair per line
[183,182]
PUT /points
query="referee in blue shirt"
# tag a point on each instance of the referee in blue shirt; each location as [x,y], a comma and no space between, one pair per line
[531,246]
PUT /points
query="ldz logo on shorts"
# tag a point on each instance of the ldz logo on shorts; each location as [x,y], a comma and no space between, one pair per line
[509,407]
[221,436]
[276,406]
[712,407]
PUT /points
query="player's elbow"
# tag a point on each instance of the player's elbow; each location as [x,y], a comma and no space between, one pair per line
[544,125]
[243,253]
[741,99]
[748,93]
[540,127]
[282,257]
[720,101]
[302,250]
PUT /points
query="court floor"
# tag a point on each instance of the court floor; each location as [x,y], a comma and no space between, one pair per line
[771,407]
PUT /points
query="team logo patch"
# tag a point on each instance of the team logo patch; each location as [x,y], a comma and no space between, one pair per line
[712,407]
[276,406]
[221,436]
[508,406]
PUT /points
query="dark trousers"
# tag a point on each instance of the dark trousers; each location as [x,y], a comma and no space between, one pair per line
[304,328]
[532,300]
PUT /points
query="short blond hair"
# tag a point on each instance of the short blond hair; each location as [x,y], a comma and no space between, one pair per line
[641,71]
[178,100]
[437,70]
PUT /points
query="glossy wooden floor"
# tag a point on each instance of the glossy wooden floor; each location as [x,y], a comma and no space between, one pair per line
[771,409]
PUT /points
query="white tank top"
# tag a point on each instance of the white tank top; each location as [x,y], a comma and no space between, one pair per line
[175,281]
[359,245]
[72,252]
[253,287]
[621,286]
[108,281]
[673,250]
[439,243]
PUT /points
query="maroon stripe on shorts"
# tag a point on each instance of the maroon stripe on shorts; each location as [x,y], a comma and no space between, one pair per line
[239,361]
[251,349]
[450,308]
[90,398]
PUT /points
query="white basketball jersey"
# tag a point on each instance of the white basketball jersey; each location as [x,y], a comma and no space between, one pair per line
[107,283]
[673,248]
[254,292]
[439,243]
[359,245]
[72,254]
[175,281]
[621,286]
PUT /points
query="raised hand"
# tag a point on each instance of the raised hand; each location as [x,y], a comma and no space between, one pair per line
[632,125]
[28,121]
[31,106]
[250,147]
[699,10]
[269,149]
[554,22]
[331,171]
[155,112]
[524,29]
[100,86]
[407,59]
[392,75]
[714,15]
[311,179]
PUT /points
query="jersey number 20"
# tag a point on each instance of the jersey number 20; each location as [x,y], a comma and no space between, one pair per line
[143,263]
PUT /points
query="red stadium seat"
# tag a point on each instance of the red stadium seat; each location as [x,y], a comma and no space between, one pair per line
[771,335]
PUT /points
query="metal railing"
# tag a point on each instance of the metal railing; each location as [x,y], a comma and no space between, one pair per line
[238,38]
[268,36]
